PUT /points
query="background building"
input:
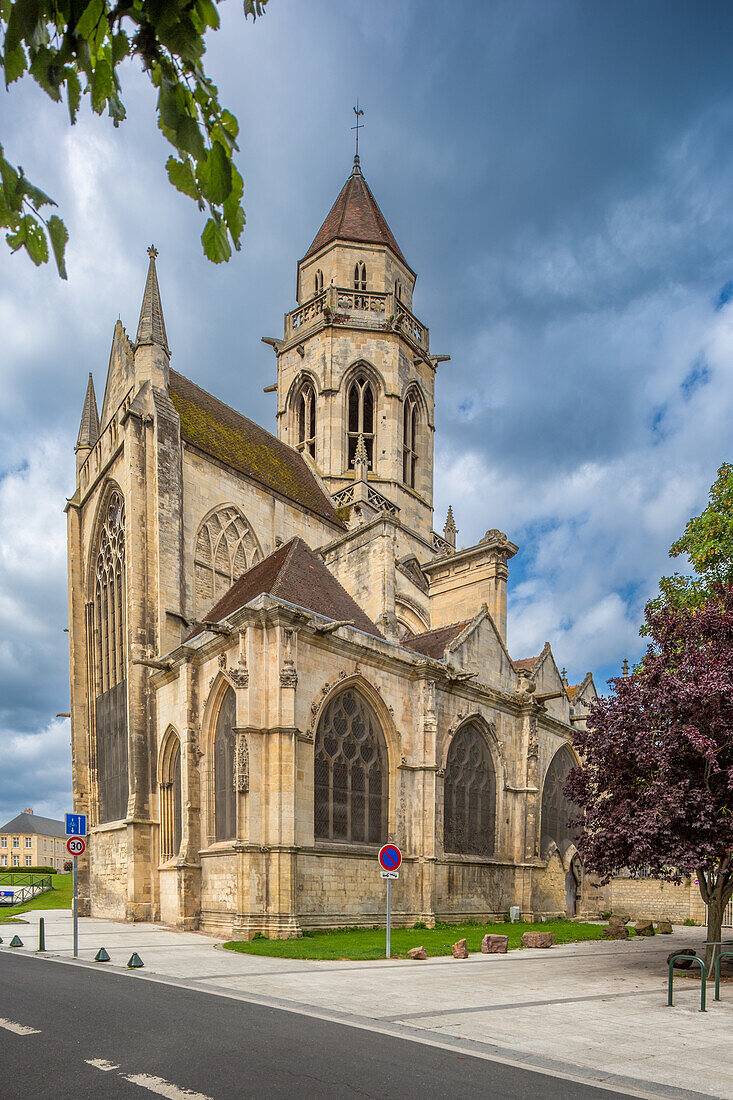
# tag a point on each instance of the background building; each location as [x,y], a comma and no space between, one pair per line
[32,841]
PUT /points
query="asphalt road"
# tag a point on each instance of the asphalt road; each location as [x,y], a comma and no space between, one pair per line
[68,1031]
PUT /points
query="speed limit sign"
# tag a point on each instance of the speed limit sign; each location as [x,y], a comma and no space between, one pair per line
[76,845]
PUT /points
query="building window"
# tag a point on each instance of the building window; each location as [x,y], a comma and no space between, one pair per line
[318,282]
[107,626]
[350,772]
[225,796]
[16,861]
[305,408]
[360,276]
[225,548]
[360,403]
[16,842]
[170,800]
[557,810]
[409,441]
[29,861]
[3,861]
[3,842]
[398,291]
[469,795]
[27,842]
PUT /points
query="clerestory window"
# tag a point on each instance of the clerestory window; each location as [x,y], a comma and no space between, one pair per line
[469,795]
[225,796]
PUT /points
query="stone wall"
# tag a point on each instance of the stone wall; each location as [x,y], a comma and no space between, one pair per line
[640,898]
[108,872]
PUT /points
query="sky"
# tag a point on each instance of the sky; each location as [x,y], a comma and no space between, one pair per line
[559,174]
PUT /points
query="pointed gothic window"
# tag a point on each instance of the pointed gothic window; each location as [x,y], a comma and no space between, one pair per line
[469,795]
[398,291]
[360,403]
[360,276]
[225,547]
[225,795]
[409,441]
[557,810]
[318,282]
[170,800]
[306,414]
[106,634]
[350,772]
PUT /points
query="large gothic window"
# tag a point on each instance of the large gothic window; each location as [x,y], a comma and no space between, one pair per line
[170,800]
[225,548]
[409,441]
[225,795]
[350,772]
[106,629]
[305,410]
[469,795]
[360,404]
[557,810]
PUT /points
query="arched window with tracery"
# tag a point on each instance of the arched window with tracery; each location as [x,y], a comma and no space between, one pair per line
[225,547]
[360,276]
[409,441]
[225,795]
[360,402]
[557,810]
[170,800]
[318,282]
[305,411]
[106,620]
[351,776]
[469,795]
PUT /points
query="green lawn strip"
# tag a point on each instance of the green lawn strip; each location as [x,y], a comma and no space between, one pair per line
[368,943]
[58,897]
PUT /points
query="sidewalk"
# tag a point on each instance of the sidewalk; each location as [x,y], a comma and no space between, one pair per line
[593,1010]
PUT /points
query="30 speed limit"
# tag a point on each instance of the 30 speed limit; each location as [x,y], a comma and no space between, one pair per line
[76,846]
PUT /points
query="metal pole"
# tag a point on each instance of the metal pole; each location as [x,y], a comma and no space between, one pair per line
[41,935]
[389,915]
[76,909]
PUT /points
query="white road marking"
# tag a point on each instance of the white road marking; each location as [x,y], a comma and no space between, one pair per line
[162,1087]
[19,1029]
[101,1063]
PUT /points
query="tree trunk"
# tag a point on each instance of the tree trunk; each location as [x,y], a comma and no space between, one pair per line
[716,889]
[716,906]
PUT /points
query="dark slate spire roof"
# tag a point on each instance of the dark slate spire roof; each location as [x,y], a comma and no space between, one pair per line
[89,427]
[296,574]
[355,216]
[151,326]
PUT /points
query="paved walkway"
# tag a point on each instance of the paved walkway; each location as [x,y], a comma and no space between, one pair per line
[594,1011]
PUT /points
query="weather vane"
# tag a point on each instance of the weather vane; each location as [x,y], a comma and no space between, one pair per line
[359,125]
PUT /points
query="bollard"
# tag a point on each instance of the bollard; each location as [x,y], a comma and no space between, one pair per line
[16,942]
[102,956]
[41,935]
[135,961]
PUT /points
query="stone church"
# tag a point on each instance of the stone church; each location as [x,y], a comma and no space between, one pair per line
[277,664]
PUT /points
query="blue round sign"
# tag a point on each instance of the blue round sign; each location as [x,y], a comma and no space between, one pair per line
[390,857]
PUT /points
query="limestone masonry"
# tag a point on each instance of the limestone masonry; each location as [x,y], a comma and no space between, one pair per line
[276,663]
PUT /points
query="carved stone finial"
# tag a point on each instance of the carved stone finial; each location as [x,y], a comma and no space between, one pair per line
[564,675]
[450,530]
[361,461]
[625,669]
[153,252]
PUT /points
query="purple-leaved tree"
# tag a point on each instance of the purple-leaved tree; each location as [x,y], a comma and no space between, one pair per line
[656,783]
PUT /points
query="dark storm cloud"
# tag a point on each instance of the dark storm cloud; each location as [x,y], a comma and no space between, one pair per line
[558,174]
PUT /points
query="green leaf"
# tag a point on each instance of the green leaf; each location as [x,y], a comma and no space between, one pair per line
[102,85]
[215,242]
[215,175]
[87,22]
[23,22]
[14,63]
[59,236]
[73,93]
[37,197]
[120,47]
[180,173]
[35,243]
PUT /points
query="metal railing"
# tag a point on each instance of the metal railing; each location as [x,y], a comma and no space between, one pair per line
[30,887]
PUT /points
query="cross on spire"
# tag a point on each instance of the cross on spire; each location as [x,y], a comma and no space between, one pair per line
[359,126]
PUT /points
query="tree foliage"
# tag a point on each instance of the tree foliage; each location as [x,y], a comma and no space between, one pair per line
[708,543]
[656,783]
[76,48]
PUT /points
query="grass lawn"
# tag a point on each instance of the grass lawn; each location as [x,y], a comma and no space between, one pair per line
[368,943]
[59,897]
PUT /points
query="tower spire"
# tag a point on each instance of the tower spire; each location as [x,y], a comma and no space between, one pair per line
[151,326]
[89,427]
[359,126]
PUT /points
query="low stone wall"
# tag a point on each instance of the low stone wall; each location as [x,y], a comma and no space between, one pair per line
[655,899]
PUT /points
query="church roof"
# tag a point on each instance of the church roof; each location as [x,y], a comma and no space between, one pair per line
[571,690]
[433,643]
[32,823]
[296,574]
[151,326]
[527,663]
[355,216]
[238,442]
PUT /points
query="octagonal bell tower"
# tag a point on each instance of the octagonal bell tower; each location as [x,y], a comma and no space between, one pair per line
[355,379]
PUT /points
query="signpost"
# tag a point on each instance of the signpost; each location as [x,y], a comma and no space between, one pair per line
[76,830]
[390,858]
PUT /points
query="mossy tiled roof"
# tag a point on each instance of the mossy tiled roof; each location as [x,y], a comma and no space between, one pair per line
[223,433]
[433,643]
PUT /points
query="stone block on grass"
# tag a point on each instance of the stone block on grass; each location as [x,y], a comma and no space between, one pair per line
[538,939]
[616,931]
[417,953]
[644,928]
[494,944]
[459,950]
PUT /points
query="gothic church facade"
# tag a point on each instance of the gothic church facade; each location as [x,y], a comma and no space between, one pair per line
[277,664]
